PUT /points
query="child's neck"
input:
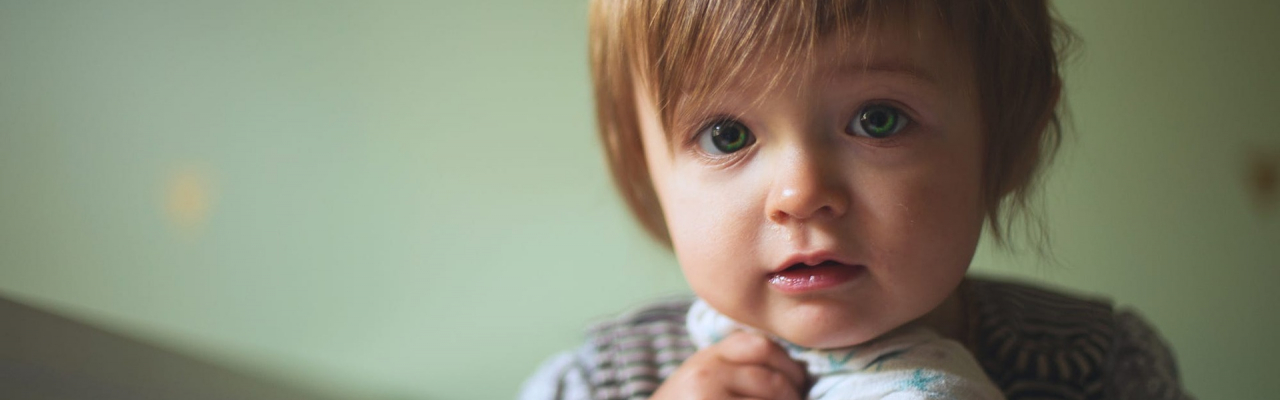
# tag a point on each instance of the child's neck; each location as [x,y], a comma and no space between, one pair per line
[950,319]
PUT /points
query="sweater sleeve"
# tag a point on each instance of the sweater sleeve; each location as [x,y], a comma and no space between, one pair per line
[1142,365]
[564,376]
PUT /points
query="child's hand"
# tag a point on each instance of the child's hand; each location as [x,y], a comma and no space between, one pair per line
[742,365]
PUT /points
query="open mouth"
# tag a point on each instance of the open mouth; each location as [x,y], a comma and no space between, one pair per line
[803,277]
[824,264]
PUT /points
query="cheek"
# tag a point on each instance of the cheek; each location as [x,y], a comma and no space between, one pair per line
[923,222]
[943,202]
[713,226]
[946,222]
[706,218]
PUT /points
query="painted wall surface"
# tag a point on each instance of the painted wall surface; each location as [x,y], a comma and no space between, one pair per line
[404,200]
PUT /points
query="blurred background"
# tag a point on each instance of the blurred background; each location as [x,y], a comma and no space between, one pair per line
[406,200]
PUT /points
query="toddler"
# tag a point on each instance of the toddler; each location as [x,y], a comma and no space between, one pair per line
[823,171]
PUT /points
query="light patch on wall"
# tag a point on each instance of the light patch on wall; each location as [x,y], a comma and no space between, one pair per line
[189,195]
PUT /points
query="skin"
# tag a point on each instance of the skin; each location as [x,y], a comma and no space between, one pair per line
[741,366]
[907,208]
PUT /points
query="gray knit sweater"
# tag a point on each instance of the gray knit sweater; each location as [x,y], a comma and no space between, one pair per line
[1032,342]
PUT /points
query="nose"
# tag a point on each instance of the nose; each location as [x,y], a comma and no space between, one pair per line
[807,186]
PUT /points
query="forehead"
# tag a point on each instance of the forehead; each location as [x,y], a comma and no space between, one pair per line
[915,44]
[922,48]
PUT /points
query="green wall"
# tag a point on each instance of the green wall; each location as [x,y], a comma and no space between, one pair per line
[404,200]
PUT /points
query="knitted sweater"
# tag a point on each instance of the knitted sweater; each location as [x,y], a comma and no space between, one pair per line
[1033,343]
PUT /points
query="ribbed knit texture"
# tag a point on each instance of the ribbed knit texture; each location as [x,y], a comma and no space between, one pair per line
[1033,343]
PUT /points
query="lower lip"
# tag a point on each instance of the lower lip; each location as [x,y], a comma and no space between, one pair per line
[821,276]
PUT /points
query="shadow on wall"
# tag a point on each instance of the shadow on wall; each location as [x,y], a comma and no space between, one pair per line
[1263,179]
[47,356]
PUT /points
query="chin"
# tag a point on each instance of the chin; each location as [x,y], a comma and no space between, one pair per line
[823,333]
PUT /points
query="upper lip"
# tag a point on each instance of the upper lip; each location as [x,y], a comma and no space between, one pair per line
[812,258]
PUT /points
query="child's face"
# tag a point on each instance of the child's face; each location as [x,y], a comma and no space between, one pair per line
[800,177]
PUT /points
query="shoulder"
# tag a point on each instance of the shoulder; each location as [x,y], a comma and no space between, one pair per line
[1034,341]
[656,318]
[1026,305]
[624,356]
[561,377]
[1143,366]
[637,350]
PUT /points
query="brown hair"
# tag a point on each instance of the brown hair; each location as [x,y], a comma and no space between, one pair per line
[1016,45]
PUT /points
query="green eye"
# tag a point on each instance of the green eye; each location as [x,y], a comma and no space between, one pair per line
[724,137]
[878,122]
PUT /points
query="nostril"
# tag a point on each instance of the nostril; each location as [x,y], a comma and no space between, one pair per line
[778,216]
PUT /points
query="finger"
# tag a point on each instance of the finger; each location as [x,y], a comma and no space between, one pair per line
[749,348]
[762,382]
